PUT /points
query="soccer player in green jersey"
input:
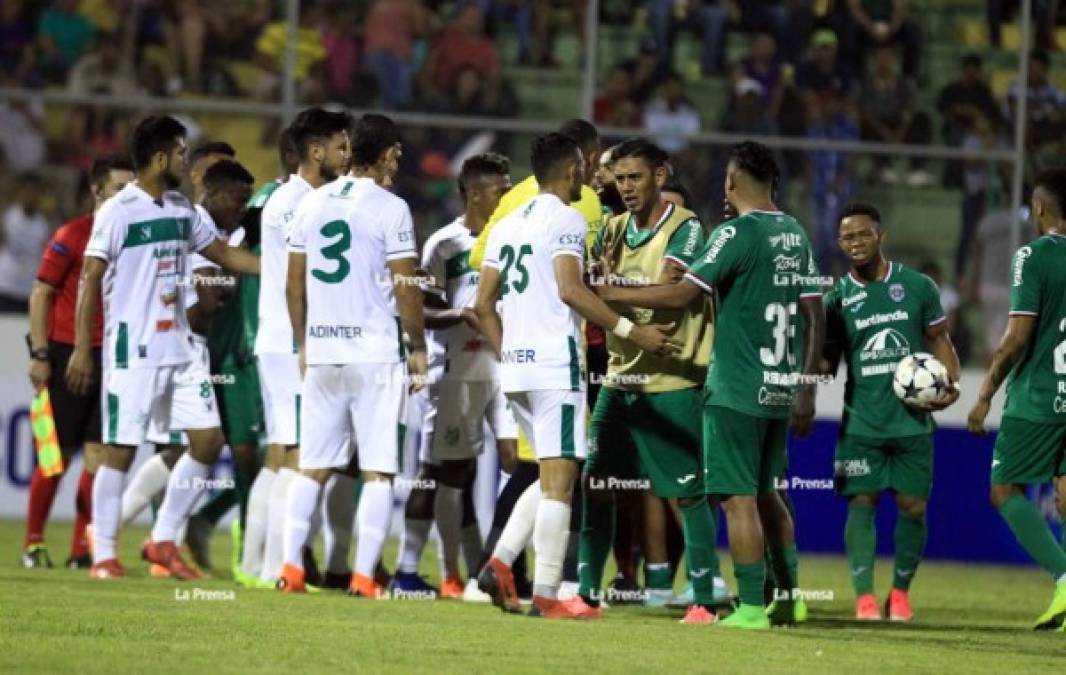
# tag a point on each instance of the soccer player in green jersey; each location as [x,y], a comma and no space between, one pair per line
[760,268]
[1031,444]
[876,314]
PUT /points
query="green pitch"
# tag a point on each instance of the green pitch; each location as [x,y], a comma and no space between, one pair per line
[970,619]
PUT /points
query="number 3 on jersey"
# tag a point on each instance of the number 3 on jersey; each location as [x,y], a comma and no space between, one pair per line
[507,255]
[335,251]
[781,317]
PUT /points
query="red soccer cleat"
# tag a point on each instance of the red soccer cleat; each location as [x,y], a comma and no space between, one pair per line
[866,608]
[497,580]
[452,588]
[166,554]
[291,580]
[581,609]
[898,606]
[550,608]
[365,587]
[699,614]
[107,569]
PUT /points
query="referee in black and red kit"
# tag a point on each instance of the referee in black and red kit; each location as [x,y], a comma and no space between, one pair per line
[51,341]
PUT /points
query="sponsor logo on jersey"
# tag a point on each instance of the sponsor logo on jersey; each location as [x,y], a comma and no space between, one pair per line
[774,398]
[786,240]
[1019,263]
[851,467]
[724,235]
[887,343]
[895,291]
[519,356]
[856,300]
[878,319]
[786,263]
[571,240]
[342,332]
[694,229]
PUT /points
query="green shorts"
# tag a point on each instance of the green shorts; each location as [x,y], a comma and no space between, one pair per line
[239,403]
[1028,452]
[866,465]
[742,454]
[639,439]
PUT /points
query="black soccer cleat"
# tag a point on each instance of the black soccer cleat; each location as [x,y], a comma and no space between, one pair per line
[36,555]
[80,563]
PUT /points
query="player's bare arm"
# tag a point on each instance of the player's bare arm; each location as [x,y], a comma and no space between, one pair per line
[939,341]
[574,292]
[488,292]
[1011,347]
[40,303]
[813,314]
[296,299]
[663,296]
[80,367]
[409,305]
[232,258]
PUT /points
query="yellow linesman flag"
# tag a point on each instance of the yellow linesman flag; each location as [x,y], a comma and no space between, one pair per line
[49,457]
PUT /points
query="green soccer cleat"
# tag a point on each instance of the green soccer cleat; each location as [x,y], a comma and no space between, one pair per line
[747,617]
[1055,616]
[36,555]
[657,597]
[787,612]
[236,538]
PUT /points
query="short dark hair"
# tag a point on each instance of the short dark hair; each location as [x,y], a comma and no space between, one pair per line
[547,152]
[581,132]
[227,171]
[316,125]
[1053,182]
[487,164]
[372,136]
[860,209]
[756,160]
[287,147]
[674,185]
[211,148]
[643,149]
[102,167]
[972,59]
[156,133]
[1040,56]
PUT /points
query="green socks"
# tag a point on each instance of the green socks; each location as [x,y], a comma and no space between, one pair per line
[860,540]
[701,532]
[658,576]
[597,535]
[1033,534]
[910,544]
[785,565]
[750,580]
[242,483]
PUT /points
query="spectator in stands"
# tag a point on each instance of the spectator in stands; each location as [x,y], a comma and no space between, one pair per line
[984,182]
[63,36]
[342,53]
[824,69]
[17,37]
[671,117]
[875,23]
[763,66]
[831,181]
[888,108]
[1046,109]
[22,141]
[94,131]
[310,53]
[960,103]
[106,16]
[23,233]
[1045,19]
[615,105]
[747,112]
[463,44]
[391,30]
[646,70]
[103,71]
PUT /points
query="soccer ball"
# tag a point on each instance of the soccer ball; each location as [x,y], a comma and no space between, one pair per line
[919,379]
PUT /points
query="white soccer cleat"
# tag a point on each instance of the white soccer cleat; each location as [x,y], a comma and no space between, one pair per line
[474,594]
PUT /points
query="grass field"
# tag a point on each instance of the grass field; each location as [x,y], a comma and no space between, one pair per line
[970,619]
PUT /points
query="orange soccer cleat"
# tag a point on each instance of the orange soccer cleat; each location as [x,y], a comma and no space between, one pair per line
[452,588]
[365,587]
[898,606]
[699,614]
[165,554]
[291,580]
[866,608]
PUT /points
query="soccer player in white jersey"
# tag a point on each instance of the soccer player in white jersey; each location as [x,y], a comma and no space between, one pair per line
[534,262]
[353,294]
[137,252]
[321,140]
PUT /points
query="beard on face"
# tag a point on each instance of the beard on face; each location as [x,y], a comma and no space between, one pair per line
[611,198]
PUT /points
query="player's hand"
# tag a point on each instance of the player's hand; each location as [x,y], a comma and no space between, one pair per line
[79,371]
[975,421]
[469,317]
[945,398]
[653,338]
[417,369]
[40,373]
[803,412]
[508,457]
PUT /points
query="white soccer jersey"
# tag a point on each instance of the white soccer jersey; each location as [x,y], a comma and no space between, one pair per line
[275,329]
[146,244]
[541,334]
[349,229]
[468,356]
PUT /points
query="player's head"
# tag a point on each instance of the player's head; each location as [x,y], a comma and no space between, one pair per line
[321,139]
[200,160]
[1049,201]
[751,174]
[557,160]
[227,189]
[640,171]
[604,185]
[860,233]
[483,179]
[376,147]
[674,191]
[107,176]
[288,155]
[157,147]
[588,139]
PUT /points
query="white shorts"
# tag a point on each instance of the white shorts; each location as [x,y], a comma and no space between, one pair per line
[192,402]
[421,416]
[553,421]
[279,381]
[360,402]
[462,410]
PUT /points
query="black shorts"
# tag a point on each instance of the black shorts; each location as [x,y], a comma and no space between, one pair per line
[77,417]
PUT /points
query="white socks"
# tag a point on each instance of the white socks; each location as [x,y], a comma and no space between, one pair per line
[149,480]
[448,511]
[107,505]
[373,515]
[415,534]
[302,503]
[186,484]
[256,522]
[338,508]
[549,542]
[519,528]
[275,538]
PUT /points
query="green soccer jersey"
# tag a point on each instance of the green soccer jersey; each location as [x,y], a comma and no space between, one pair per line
[760,265]
[874,325]
[1036,390]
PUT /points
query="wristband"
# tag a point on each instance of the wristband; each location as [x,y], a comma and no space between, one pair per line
[623,328]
